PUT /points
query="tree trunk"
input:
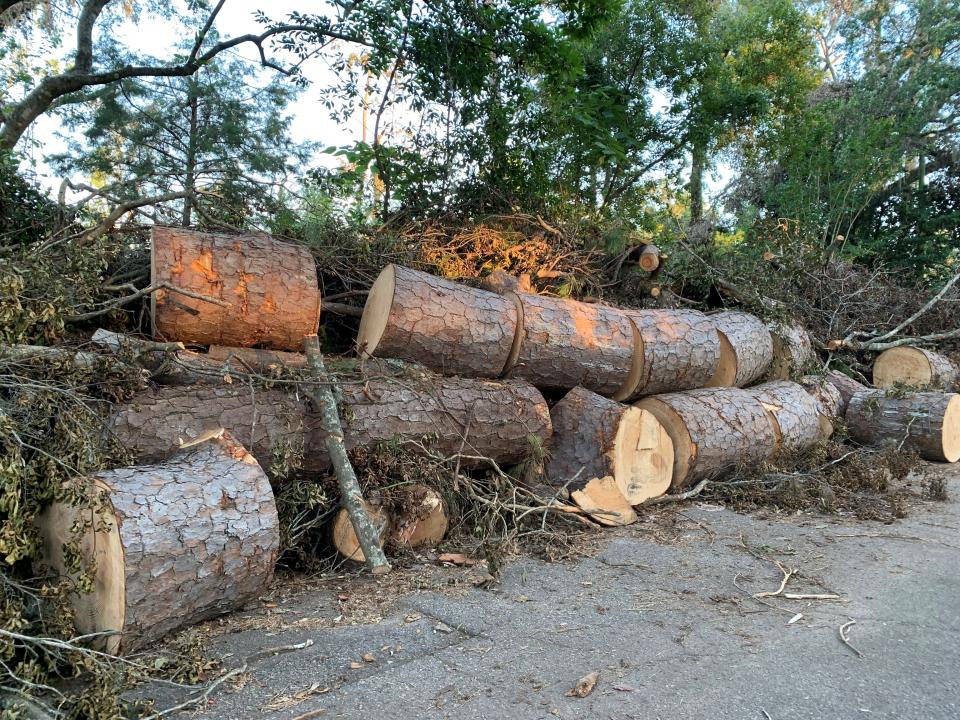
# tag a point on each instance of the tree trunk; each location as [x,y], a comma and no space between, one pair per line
[420,517]
[679,350]
[698,159]
[256,360]
[915,367]
[191,160]
[796,419]
[344,536]
[565,343]
[746,349]
[713,430]
[176,543]
[792,351]
[594,437]
[829,402]
[446,415]
[926,422]
[271,288]
[451,328]
[846,386]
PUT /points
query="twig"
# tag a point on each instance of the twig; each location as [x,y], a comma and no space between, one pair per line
[845,640]
[787,574]
[113,305]
[692,492]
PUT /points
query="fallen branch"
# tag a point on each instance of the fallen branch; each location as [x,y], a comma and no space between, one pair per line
[845,640]
[120,302]
[692,492]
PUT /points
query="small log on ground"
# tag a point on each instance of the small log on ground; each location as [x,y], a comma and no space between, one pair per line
[829,402]
[256,360]
[173,544]
[565,343]
[420,517]
[602,500]
[846,386]
[344,537]
[794,413]
[678,350]
[270,287]
[746,349]
[792,351]
[480,419]
[926,422]
[713,430]
[594,437]
[915,367]
[649,258]
[449,327]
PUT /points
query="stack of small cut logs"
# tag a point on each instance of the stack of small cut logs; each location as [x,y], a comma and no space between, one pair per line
[654,401]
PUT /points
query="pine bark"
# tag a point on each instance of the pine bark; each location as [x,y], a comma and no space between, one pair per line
[271,288]
[747,351]
[846,386]
[828,398]
[177,543]
[794,414]
[792,351]
[565,344]
[713,430]
[925,422]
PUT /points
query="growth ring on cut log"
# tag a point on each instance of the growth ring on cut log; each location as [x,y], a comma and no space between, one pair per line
[174,544]
[914,367]
[269,287]
[713,430]
[565,343]
[344,537]
[449,327]
[926,422]
[746,349]
[794,413]
[677,350]
[597,437]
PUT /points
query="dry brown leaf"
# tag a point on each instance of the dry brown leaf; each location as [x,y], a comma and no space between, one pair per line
[369,658]
[355,665]
[456,559]
[584,686]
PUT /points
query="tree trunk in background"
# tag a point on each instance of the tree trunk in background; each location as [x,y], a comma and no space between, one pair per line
[191,164]
[698,159]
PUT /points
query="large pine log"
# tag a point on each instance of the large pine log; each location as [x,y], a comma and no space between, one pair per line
[565,343]
[449,327]
[846,386]
[594,437]
[915,367]
[829,402]
[174,543]
[792,350]
[926,422]
[344,536]
[270,287]
[491,419]
[794,412]
[746,349]
[679,350]
[713,430]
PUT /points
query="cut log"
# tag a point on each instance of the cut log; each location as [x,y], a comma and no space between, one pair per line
[915,367]
[794,413]
[420,517]
[496,417]
[565,344]
[174,544]
[344,537]
[792,351]
[649,258]
[713,430]
[746,349]
[829,402]
[270,287]
[678,350]
[594,437]
[846,386]
[926,422]
[602,500]
[451,328]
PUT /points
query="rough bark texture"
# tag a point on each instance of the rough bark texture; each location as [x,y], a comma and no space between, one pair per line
[449,327]
[271,288]
[915,367]
[681,350]
[257,360]
[566,344]
[794,413]
[713,430]
[829,400]
[846,386]
[496,417]
[926,422]
[792,351]
[183,541]
[594,437]
[748,351]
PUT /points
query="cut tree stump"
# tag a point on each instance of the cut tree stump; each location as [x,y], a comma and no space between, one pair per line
[926,422]
[420,518]
[497,418]
[829,402]
[594,437]
[270,288]
[915,367]
[344,537]
[796,418]
[172,544]
[792,351]
[846,386]
[602,500]
[565,343]
[746,349]
[713,430]
[449,327]
[678,350]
